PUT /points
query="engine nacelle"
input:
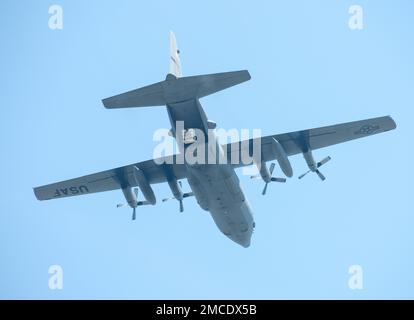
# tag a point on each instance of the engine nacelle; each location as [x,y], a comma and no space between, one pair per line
[282,158]
[144,185]
[310,161]
[130,197]
[176,189]
[264,172]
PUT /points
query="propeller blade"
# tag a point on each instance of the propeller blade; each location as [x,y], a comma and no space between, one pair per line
[180,183]
[134,214]
[265,189]
[323,161]
[278,179]
[302,175]
[120,205]
[188,194]
[181,206]
[320,175]
[167,199]
[257,176]
[272,168]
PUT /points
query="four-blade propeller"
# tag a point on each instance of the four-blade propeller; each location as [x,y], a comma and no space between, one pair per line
[316,170]
[181,198]
[190,194]
[134,207]
[272,179]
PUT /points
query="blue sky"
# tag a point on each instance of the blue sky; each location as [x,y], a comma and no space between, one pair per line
[308,70]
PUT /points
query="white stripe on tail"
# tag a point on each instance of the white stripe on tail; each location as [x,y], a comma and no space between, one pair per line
[175,63]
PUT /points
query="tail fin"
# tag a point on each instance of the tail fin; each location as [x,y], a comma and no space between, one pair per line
[176,88]
[175,63]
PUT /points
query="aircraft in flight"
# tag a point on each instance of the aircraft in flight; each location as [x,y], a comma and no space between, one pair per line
[215,186]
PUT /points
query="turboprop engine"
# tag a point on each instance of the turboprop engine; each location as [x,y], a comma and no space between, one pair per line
[177,191]
[313,165]
[282,158]
[284,163]
[131,195]
[144,185]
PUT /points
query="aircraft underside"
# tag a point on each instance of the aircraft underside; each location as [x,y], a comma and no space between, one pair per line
[217,190]
[215,186]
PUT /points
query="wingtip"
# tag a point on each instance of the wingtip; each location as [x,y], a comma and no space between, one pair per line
[388,123]
[35,191]
[393,123]
[248,74]
[244,74]
[105,103]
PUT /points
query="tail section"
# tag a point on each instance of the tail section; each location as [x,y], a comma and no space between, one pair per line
[176,88]
[175,63]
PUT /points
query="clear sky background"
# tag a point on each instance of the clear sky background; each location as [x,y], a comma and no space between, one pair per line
[308,70]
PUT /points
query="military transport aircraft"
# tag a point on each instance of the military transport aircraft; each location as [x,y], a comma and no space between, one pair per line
[216,186]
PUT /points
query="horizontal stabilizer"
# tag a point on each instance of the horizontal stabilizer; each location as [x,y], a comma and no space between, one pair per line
[174,90]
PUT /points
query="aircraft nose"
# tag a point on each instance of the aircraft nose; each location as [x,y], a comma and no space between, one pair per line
[246,244]
[244,239]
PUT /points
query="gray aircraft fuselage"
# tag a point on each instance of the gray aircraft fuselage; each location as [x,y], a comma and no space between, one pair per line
[215,186]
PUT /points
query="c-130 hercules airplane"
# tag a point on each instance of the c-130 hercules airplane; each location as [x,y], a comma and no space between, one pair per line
[215,186]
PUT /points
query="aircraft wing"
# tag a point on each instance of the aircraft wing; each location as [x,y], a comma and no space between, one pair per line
[293,143]
[301,141]
[113,179]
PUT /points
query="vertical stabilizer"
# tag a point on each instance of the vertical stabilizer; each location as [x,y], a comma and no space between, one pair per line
[175,63]
[175,88]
